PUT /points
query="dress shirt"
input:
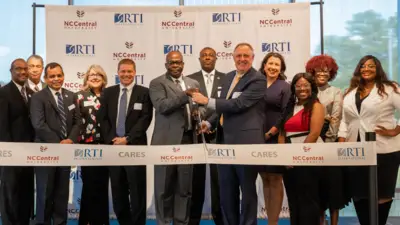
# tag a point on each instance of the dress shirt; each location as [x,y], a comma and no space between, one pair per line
[208,85]
[33,85]
[53,92]
[183,86]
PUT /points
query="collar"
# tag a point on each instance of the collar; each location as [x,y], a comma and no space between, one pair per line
[323,88]
[129,87]
[180,78]
[204,72]
[31,84]
[18,86]
[54,91]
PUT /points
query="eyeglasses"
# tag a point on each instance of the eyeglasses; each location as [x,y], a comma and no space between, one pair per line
[20,69]
[302,87]
[174,62]
[322,74]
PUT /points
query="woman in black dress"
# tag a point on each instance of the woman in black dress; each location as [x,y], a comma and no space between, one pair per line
[94,199]
[276,98]
[369,105]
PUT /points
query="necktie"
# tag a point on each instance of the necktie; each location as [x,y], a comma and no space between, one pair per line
[23,93]
[63,118]
[209,78]
[122,114]
[233,85]
[185,112]
[36,88]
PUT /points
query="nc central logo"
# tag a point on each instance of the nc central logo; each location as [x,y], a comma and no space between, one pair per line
[184,49]
[280,47]
[275,11]
[227,44]
[80,75]
[80,49]
[177,13]
[233,17]
[128,18]
[129,45]
[80,13]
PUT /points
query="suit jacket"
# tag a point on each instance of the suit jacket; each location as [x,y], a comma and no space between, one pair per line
[15,121]
[169,102]
[375,110]
[243,112]
[46,118]
[137,120]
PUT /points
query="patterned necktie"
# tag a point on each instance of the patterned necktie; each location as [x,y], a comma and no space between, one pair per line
[233,85]
[23,93]
[209,78]
[36,88]
[63,118]
[185,112]
[122,114]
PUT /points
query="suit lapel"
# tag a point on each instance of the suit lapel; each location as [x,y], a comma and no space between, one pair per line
[113,103]
[66,102]
[227,85]
[216,81]
[51,99]
[17,93]
[171,84]
[132,100]
[200,79]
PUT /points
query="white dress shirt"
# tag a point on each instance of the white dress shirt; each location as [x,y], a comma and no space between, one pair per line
[375,110]
[33,85]
[53,92]
[128,95]
[209,85]
[183,86]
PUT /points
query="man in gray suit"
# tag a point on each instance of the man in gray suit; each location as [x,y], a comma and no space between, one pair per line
[56,119]
[174,125]
[240,119]
[34,83]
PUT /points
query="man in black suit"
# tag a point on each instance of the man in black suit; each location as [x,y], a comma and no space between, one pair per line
[126,112]
[16,190]
[56,119]
[210,81]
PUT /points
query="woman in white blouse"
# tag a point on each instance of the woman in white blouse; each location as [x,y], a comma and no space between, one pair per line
[369,105]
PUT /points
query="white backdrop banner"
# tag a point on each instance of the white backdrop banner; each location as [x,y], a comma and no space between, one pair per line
[78,36]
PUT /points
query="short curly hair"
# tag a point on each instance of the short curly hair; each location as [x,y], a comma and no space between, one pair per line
[320,62]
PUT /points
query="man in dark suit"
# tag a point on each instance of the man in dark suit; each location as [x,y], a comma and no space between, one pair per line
[210,81]
[240,119]
[56,119]
[126,112]
[35,70]
[174,124]
[16,190]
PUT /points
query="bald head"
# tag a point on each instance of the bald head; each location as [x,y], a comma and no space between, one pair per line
[174,64]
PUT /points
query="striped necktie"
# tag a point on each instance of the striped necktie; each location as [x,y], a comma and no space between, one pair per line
[63,118]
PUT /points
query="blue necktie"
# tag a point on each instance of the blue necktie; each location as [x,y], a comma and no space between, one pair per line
[63,118]
[122,114]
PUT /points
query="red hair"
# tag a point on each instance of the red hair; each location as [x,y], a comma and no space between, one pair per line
[321,62]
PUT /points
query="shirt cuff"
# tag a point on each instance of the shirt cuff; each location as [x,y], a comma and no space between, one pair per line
[211,103]
[208,124]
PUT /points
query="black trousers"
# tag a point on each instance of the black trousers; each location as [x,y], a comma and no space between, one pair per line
[198,192]
[16,194]
[302,190]
[55,181]
[94,197]
[128,188]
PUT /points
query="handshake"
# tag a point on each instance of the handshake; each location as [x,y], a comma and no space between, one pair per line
[196,96]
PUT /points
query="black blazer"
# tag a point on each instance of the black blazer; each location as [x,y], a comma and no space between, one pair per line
[46,118]
[137,120]
[217,83]
[15,122]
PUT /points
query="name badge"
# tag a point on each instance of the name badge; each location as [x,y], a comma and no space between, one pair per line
[71,107]
[236,95]
[137,106]
[219,94]
[88,103]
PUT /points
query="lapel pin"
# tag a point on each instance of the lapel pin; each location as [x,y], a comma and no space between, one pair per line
[66,96]
[217,78]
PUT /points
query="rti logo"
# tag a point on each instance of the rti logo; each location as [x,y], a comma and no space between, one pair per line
[139,79]
[276,20]
[177,22]
[88,154]
[221,153]
[351,153]
[80,23]
[282,47]
[227,52]
[227,18]
[129,53]
[128,18]
[80,50]
[186,50]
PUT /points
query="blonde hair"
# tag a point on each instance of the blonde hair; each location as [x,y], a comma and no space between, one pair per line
[99,70]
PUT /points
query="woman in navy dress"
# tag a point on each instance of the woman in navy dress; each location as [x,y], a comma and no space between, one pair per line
[276,98]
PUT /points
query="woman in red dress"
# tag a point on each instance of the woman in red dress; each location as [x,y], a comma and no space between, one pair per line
[303,125]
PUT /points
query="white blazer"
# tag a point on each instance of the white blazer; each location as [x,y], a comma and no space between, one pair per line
[375,110]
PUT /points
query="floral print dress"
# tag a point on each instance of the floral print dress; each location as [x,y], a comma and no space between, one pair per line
[89,105]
